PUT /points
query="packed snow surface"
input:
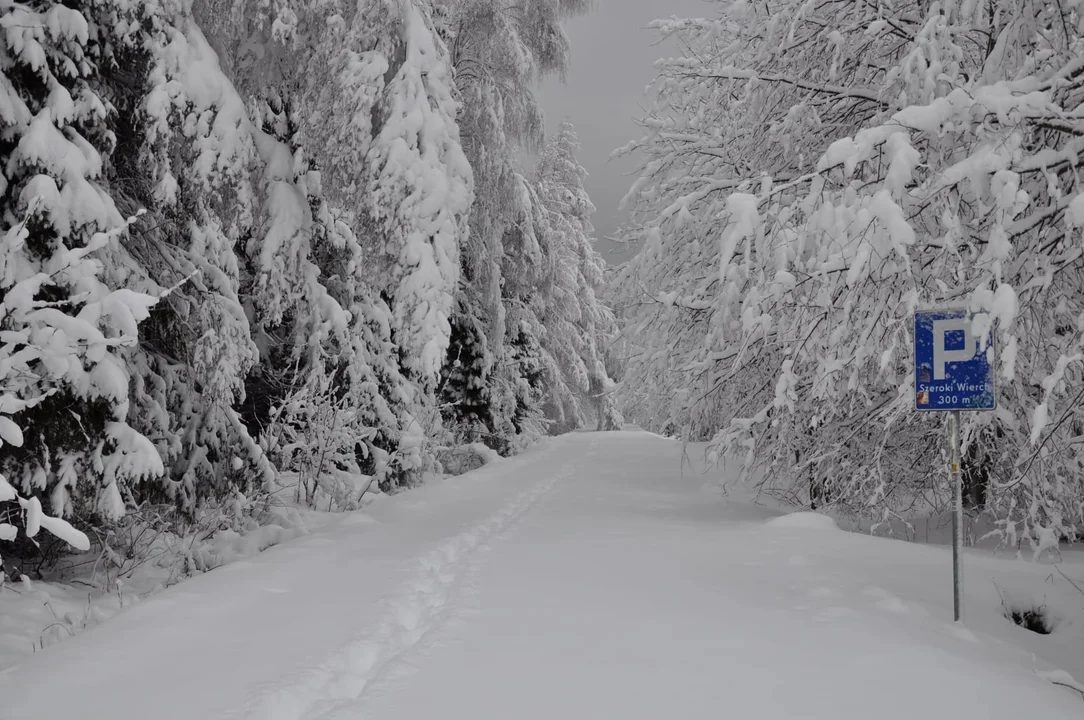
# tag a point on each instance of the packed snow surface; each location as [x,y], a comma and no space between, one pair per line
[587,578]
[804,520]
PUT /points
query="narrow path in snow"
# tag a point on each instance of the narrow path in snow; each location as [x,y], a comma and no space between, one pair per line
[593,577]
[426,602]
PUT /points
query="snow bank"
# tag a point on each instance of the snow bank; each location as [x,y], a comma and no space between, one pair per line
[465,458]
[87,589]
[803,521]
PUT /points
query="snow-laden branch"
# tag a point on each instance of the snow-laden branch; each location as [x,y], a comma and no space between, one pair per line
[838,91]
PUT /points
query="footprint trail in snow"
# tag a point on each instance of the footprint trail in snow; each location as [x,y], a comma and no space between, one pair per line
[423,606]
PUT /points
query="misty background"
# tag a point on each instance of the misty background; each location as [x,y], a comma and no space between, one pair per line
[613,56]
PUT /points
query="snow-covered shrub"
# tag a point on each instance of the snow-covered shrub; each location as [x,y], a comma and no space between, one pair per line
[463,459]
[157,545]
[316,437]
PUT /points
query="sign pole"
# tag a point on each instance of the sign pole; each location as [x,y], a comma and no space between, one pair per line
[957,513]
[954,371]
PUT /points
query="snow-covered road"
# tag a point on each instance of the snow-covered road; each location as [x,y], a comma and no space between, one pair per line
[587,578]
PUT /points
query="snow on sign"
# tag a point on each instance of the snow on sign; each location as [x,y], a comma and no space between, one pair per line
[952,372]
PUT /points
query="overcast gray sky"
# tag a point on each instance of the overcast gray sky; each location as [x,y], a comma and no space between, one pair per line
[613,54]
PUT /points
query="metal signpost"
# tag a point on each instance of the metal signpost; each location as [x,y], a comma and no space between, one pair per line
[952,373]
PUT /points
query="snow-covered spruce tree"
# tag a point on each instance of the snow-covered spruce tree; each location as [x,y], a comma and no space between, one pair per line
[370,89]
[499,50]
[813,176]
[398,157]
[310,399]
[579,325]
[185,153]
[48,355]
[298,403]
[68,447]
[397,162]
[523,272]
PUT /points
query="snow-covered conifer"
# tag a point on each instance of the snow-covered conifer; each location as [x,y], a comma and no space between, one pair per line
[579,324]
[499,56]
[65,400]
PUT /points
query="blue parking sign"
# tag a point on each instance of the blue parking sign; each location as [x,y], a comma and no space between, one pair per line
[952,371]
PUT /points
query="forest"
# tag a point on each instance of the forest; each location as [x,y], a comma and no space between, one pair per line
[256,244]
[250,245]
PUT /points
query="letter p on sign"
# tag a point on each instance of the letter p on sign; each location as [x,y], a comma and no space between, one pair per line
[941,355]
